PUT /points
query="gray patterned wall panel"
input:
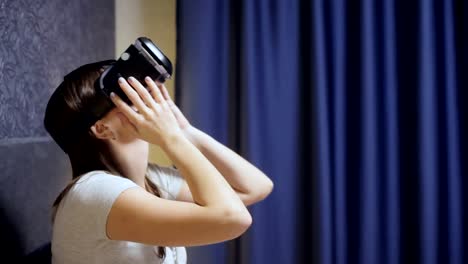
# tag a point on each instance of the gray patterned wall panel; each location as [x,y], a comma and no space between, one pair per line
[40,41]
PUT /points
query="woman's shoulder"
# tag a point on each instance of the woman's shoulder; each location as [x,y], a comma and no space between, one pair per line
[89,202]
[99,176]
[100,185]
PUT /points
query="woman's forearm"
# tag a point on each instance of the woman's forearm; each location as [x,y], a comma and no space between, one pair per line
[208,187]
[249,182]
[244,177]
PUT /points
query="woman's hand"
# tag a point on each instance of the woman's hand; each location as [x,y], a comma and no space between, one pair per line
[188,130]
[181,120]
[153,119]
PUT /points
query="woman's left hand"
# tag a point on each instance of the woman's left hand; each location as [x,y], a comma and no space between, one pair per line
[184,124]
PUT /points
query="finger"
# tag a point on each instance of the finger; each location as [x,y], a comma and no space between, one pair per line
[155,92]
[164,91]
[125,108]
[133,95]
[167,96]
[143,92]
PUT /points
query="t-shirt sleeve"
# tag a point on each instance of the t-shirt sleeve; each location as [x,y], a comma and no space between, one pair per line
[166,178]
[94,196]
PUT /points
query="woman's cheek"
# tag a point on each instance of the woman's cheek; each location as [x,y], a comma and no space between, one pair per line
[123,119]
[126,127]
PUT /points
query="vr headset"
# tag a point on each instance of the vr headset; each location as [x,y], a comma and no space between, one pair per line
[141,59]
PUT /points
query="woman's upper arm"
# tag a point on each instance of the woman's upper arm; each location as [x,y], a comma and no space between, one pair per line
[139,216]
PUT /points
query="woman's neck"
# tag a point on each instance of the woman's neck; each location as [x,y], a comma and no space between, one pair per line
[132,160]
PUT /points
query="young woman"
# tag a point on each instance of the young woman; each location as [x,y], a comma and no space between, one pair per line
[120,209]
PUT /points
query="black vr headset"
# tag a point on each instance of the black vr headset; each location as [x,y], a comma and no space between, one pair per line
[141,59]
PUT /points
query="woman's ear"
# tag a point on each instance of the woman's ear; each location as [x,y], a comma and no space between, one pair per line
[102,131]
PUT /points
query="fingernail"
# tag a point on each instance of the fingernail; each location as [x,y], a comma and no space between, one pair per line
[148,79]
[121,80]
[131,78]
[112,95]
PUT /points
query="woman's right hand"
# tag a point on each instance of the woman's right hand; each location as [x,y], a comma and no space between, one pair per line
[152,120]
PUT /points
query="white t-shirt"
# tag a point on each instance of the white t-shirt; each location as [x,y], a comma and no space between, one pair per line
[79,231]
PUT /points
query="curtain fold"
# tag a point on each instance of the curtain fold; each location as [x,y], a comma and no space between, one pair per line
[355,109]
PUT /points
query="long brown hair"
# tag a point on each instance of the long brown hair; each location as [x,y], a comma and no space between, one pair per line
[86,153]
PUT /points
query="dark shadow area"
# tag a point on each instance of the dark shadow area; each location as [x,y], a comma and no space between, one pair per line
[41,255]
[10,242]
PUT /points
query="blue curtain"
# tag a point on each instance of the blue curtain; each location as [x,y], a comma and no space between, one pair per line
[355,109]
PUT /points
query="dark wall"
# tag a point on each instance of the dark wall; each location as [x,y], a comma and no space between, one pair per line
[40,41]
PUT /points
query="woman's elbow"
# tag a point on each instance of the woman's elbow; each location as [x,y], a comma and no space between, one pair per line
[266,189]
[238,221]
